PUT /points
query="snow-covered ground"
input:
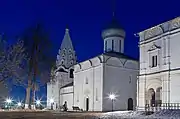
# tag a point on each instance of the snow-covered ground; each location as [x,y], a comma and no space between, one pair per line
[163,114]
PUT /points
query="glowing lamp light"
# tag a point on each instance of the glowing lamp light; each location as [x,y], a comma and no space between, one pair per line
[38,102]
[19,104]
[51,100]
[8,100]
[112,96]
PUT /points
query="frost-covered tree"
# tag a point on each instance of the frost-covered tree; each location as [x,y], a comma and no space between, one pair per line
[12,61]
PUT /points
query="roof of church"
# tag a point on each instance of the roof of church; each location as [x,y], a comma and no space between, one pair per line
[67,43]
[66,56]
[119,55]
[67,85]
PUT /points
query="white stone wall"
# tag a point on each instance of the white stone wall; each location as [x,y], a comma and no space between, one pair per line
[67,95]
[174,87]
[53,89]
[63,78]
[115,76]
[53,93]
[120,77]
[49,95]
[88,84]
[175,49]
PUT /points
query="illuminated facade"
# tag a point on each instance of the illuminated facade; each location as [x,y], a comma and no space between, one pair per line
[94,79]
[159,65]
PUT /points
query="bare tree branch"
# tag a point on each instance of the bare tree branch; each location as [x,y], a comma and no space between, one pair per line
[12,61]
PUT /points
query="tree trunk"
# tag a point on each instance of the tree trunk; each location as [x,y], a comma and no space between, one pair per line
[27,103]
[33,103]
[28,92]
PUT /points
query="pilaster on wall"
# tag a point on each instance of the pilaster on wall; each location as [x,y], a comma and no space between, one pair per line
[165,88]
[141,93]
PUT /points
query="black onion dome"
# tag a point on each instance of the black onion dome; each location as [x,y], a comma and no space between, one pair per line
[114,24]
[113,29]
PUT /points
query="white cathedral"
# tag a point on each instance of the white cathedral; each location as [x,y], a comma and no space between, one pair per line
[88,84]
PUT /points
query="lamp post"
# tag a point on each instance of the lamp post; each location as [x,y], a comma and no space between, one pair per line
[19,105]
[112,97]
[52,102]
[9,101]
[38,102]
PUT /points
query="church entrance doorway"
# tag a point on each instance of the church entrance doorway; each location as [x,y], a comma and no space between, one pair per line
[87,104]
[151,94]
[130,104]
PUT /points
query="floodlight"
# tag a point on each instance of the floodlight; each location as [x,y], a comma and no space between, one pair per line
[112,96]
[51,100]
[19,104]
[8,100]
[38,102]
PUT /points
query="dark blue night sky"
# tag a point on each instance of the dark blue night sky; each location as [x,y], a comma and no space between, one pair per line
[85,19]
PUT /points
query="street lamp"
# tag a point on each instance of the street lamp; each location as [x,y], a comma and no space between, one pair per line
[51,101]
[8,101]
[38,102]
[112,97]
[19,104]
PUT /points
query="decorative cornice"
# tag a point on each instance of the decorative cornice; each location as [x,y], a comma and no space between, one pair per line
[160,29]
[155,31]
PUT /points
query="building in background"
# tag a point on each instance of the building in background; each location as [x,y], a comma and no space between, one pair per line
[88,84]
[61,87]
[112,72]
[159,65]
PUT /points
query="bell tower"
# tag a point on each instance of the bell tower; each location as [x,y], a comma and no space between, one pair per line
[66,56]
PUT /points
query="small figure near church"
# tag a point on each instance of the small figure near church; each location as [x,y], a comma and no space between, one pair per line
[65,106]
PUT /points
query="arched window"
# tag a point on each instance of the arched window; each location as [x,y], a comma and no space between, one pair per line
[120,46]
[112,45]
[105,45]
[64,50]
[71,73]
[96,94]
[70,56]
[130,79]
[86,81]
[69,50]
[62,62]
